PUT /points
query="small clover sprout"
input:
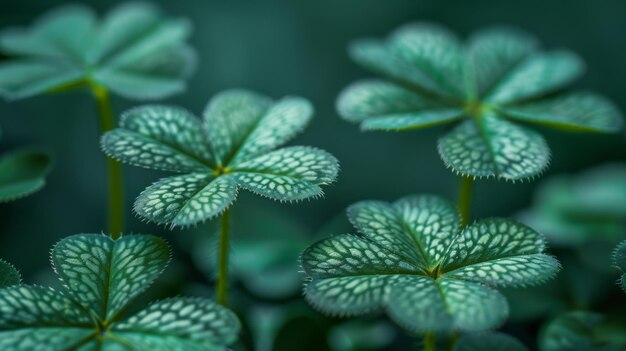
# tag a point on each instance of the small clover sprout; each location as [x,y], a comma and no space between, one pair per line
[8,275]
[619,261]
[135,51]
[497,78]
[488,342]
[101,276]
[232,148]
[413,260]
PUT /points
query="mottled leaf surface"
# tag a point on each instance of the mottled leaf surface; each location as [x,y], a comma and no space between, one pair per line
[101,276]
[135,51]
[498,77]
[412,260]
[8,275]
[233,147]
[619,260]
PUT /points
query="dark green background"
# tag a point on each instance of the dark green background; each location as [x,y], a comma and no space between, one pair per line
[298,48]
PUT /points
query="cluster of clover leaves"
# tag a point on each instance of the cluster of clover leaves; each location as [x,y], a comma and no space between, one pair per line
[414,258]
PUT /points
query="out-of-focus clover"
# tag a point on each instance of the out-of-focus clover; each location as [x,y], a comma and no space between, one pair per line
[488,341]
[136,51]
[8,275]
[581,331]
[498,78]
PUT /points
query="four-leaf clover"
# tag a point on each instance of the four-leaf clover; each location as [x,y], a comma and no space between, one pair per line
[412,259]
[135,51]
[497,78]
[232,147]
[101,277]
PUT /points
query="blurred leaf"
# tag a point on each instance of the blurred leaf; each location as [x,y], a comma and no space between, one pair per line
[22,173]
[619,260]
[135,51]
[489,341]
[232,148]
[577,330]
[8,275]
[412,259]
[498,76]
[359,335]
[101,276]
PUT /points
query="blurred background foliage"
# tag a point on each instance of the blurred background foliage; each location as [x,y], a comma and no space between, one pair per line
[299,48]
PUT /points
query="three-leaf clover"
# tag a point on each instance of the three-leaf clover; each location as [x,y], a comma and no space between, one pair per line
[22,172]
[233,147]
[8,274]
[413,260]
[497,78]
[101,277]
[135,51]
[619,261]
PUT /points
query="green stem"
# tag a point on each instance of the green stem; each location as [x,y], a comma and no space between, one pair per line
[430,341]
[114,169]
[465,199]
[222,273]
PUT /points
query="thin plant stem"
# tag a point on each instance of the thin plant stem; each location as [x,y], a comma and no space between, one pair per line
[465,199]
[222,273]
[430,341]
[115,182]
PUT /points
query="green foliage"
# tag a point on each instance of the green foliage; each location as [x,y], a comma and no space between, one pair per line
[8,275]
[135,51]
[232,148]
[497,78]
[579,331]
[619,261]
[101,277]
[412,259]
[22,172]
[489,341]
[577,210]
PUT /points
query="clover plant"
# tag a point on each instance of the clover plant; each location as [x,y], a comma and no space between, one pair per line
[580,330]
[101,277]
[135,51]
[8,275]
[619,261]
[412,259]
[22,172]
[232,147]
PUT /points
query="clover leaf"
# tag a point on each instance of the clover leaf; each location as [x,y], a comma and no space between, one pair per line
[497,78]
[8,275]
[412,259]
[489,341]
[101,276]
[232,148]
[580,330]
[619,261]
[135,51]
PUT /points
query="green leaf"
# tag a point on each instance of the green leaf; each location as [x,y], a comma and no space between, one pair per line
[538,75]
[180,324]
[241,125]
[8,275]
[580,111]
[489,341]
[495,52]
[619,260]
[291,173]
[500,252]
[136,52]
[576,330]
[159,137]
[105,274]
[232,148]
[22,173]
[493,147]
[413,261]
[186,199]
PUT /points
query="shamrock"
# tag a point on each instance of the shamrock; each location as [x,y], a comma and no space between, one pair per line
[619,261]
[135,51]
[8,274]
[412,259]
[22,172]
[101,277]
[498,78]
[230,149]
